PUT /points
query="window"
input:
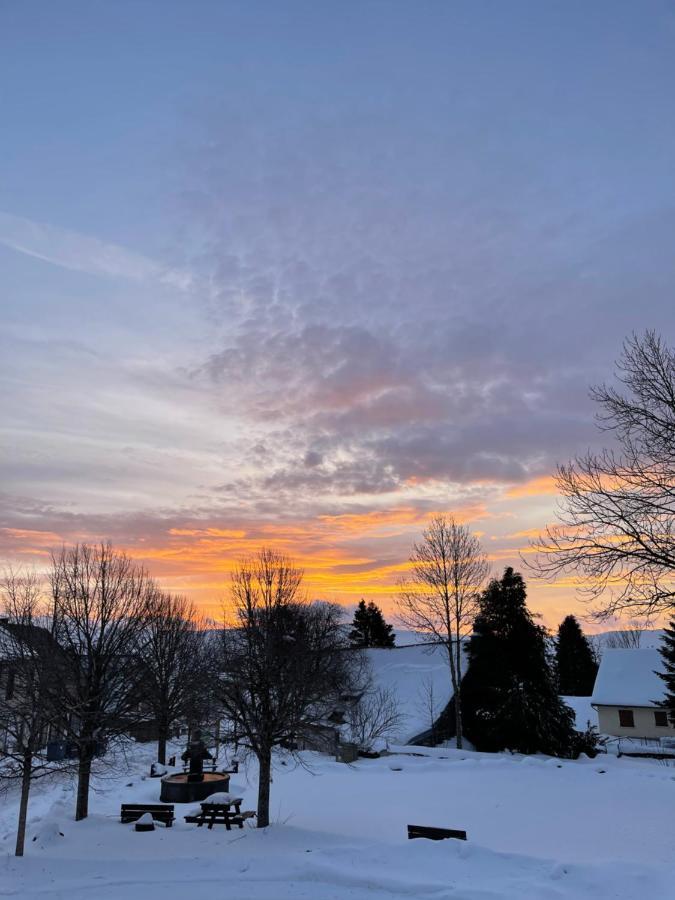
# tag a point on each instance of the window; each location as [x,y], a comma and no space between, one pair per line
[626,719]
[9,686]
[661,718]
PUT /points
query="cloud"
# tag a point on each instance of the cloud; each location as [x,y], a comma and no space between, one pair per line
[82,253]
[397,299]
[349,552]
[545,484]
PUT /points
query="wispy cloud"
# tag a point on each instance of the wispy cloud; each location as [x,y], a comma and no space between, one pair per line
[83,253]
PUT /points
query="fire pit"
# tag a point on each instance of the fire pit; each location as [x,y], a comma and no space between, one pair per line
[186,788]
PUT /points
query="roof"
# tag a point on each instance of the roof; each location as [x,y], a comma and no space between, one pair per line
[409,672]
[39,638]
[628,678]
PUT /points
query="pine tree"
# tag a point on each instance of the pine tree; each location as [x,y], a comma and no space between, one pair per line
[359,636]
[369,628]
[575,661]
[667,651]
[510,699]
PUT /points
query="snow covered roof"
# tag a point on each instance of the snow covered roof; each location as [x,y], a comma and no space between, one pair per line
[419,678]
[628,678]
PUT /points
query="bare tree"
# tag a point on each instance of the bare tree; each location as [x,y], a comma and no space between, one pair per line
[29,672]
[430,705]
[616,524]
[375,716]
[439,598]
[99,612]
[627,638]
[286,663]
[174,663]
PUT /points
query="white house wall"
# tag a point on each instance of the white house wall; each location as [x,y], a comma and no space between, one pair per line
[608,718]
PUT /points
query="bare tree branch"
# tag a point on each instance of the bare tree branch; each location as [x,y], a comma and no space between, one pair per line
[616,523]
[439,598]
[175,664]
[100,603]
[29,679]
[375,716]
[286,663]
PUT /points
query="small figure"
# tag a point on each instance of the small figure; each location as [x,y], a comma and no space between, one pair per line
[196,753]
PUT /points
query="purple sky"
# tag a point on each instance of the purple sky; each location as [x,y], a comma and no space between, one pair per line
[302,273]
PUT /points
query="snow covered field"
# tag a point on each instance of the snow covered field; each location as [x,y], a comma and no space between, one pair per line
[538,828]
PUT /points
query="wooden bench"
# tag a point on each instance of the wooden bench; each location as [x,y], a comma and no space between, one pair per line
[434,834]
[227,814]
[161,812]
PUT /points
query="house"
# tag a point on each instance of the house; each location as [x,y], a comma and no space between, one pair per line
[20,645]
[628,693]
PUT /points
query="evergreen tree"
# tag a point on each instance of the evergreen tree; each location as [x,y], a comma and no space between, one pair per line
[369,628]
[667,651]
[510,698]
[575,661]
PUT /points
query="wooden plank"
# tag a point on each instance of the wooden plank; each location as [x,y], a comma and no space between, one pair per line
[155,813]
[235,800]
[147,807]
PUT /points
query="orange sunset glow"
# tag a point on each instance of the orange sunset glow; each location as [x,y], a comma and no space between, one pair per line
[345,556]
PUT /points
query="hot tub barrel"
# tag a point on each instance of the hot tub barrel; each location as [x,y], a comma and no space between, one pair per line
[178,789]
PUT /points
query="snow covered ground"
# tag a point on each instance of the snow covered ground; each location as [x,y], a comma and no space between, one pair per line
[537,827]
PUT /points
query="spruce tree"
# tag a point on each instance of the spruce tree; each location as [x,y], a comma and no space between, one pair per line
[359,636]
[369,628]
[576,665]
[667,651]
[509,697]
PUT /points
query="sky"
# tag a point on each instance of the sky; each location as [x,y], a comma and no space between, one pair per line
[304,274]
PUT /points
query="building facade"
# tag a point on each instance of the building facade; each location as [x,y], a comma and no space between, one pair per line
[628,695]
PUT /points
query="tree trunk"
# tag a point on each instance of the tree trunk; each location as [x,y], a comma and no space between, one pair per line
[217,736]
[83,778]
[455,693]
[26,770]
[458,717]
[458,695]
[264,781]
[162,735]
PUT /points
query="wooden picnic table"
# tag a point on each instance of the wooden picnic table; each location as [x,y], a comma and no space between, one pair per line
[227,814]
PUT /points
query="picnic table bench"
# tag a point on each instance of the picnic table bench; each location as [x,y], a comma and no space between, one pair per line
[227,814]
[160,812]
